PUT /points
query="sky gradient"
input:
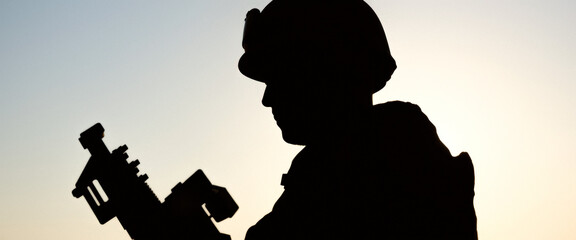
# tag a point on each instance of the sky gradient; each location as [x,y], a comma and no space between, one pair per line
[495,77]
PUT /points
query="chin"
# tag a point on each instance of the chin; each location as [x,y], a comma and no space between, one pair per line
[294,138]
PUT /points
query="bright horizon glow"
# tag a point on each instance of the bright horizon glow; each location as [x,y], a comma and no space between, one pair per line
[495,78]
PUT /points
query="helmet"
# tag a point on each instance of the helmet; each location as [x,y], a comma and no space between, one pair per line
[338,37]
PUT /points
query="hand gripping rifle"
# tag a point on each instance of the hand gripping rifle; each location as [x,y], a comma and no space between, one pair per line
[112,188]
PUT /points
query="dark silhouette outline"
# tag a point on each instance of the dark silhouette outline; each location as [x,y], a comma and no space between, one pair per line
[366,172]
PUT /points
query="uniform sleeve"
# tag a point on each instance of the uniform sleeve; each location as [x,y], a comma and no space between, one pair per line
[320,202]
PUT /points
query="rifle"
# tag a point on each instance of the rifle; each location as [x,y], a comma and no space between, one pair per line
[113,188]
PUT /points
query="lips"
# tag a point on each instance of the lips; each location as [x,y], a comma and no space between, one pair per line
[291,117]
[284,117]
[277,117]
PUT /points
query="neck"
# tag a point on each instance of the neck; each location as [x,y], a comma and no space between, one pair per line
[347,125]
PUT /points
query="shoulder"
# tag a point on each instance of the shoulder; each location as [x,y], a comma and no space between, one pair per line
[406,126]
[398,109]
[398,114]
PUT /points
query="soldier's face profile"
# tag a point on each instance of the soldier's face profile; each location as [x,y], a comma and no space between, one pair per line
[297,107]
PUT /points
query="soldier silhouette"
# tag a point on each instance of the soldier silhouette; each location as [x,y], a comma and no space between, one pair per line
[366,171]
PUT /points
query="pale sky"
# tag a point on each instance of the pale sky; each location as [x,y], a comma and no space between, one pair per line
[495,77]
